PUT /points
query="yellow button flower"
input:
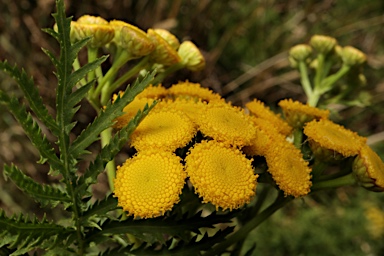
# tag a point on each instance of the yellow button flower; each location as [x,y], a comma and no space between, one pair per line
[258,109]
[228,124]
[221,175]
[164,130]
[153,92]
[297,114]
[332,141]
[149,184]
[288,168]
[188,90]
[369,169]
[131,110]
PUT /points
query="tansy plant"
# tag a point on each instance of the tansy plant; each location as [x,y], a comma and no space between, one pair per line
[189,187]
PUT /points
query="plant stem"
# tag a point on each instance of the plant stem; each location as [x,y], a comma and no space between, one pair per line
[346,180]
[110,167]
[249,226]
[305,80]
[92,55]
[297,138]
[160,77]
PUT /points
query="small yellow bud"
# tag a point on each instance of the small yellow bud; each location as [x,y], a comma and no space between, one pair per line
[164,53]
[169,37]
[300,52]
[352,56]
[323,44]
[91,26]
[131,38]
[191,56]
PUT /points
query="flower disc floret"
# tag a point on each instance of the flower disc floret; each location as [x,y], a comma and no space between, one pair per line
[228,124]
[131,110]
[258,109]
[221,175]
[328,135]
[149,184]
[188,90]
[288,168]
[165,129]
[297,114]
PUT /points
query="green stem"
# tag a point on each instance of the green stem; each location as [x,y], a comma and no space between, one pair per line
[92,55]
[346,180]
[76,66]
[249,226]
[318,169]
[297,137]
[305,79]
[106,136]
[327,83]
[319,70]
[136,69]
[160,77]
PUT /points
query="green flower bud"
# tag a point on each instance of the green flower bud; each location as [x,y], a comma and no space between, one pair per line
[169,37]
[368,169]
[323,44]
[352,56]
[131,38]
[300,52]
[191,56]
[164,53]
[91,26]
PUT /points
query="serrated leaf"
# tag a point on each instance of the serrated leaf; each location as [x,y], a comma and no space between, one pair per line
[31,93]
[106,117]
[30,233]
[32,130]
[109,151]
[43,194]
[100,208]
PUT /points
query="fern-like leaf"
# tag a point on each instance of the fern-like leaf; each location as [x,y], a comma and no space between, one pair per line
[25,234]
[151,230]
[43,194]
[105,119]
[100,208]
[31,94]
[109,151]
[32,130]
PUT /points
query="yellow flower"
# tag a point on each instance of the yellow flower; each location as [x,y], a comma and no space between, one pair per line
[169,37]
[131,110]
[375,217]
[369,169]
[191,57]
[288,168]
[221,175]
[149,184]
[228,124]
[153,92]
[258,109]
[330,141]
[188,90]
[164,53]
[323,44]
[91,26]
[297,114]
[163,129]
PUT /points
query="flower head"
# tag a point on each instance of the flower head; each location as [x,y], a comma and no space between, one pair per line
[331,141]
[288,168]
[91,26]
[131,110]
[221,175]
[153,92]
[169,37]
[191,56]
[227,124]
[297,114]
[149,184]
[323,44]
[164,53]
[131,38]
[352,56]
[258,109]
[165,129]
[369,169]
[188,90]
[300,52]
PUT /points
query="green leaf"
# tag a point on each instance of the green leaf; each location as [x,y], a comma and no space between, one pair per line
[31,94]
[109,151]
[43,194]
[32,130]
[147,228]
[30,233]
[106,117]
[100,208]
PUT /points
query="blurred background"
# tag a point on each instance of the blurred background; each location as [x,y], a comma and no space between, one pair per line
[245,44]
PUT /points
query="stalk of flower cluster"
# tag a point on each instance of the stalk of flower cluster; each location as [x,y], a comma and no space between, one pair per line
[346,180]
[160,77]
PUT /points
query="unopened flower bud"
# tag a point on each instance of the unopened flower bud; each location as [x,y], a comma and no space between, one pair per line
[323,44]
[91,26]
[169,37]
[191,56]
[369,170]
[352,56]
[131,38]
[300,52]
[164,53]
